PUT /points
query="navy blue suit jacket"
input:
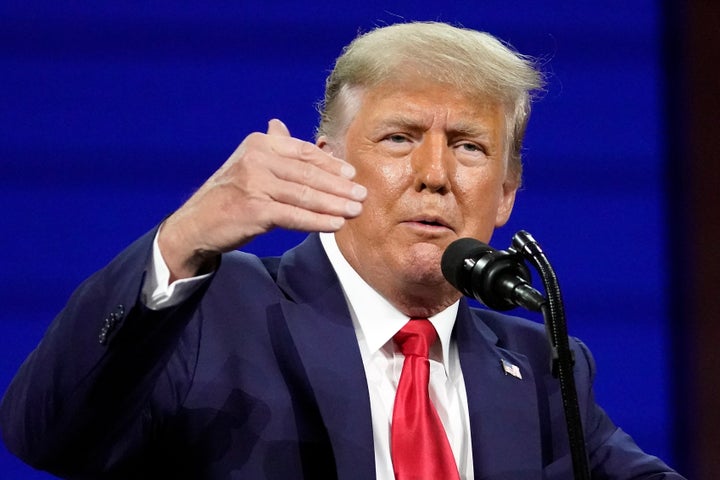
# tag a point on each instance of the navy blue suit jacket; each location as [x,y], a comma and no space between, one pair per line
[259,375]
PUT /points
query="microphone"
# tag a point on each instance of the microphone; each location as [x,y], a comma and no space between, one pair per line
[496,278]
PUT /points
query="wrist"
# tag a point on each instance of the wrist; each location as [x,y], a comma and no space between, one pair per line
[182,259]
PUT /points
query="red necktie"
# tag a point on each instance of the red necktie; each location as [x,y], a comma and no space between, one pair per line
[419,445]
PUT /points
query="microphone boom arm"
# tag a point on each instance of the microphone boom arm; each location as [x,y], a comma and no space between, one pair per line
[562,356]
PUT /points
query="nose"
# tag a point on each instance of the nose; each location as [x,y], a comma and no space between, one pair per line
[430,164]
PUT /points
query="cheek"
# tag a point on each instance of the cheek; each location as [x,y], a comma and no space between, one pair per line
[477,187]
[384,180]
[479,203]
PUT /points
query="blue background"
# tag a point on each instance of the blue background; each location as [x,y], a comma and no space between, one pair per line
[112,113]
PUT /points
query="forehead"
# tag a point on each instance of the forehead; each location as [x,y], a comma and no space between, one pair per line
[421,101]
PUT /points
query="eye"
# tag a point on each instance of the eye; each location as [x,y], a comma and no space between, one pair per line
[470,147]
[397,144]
[397,138]
[471,153]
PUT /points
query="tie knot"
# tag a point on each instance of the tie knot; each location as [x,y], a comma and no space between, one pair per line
[416,337]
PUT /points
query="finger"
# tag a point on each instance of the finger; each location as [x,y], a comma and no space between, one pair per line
[307,198]
[278,128]
[307,175]
[294,218]
[294,149]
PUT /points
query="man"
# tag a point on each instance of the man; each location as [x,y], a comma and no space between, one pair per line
[186,359]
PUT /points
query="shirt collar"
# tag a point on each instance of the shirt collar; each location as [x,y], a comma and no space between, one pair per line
[377,319]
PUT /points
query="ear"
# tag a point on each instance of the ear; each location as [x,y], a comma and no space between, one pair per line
[334,148]
[323,143]
[507,201]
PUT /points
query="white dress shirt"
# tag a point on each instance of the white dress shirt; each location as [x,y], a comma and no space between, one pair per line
[376,321]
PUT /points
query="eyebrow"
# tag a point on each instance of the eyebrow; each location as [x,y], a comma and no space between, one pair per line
[459,128]
[470,129]
[402,121]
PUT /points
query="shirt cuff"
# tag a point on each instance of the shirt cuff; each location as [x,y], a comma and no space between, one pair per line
[156,292]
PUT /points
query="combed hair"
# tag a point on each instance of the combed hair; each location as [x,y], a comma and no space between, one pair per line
[474,62]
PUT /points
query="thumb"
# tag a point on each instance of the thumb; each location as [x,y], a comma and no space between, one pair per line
[276,127]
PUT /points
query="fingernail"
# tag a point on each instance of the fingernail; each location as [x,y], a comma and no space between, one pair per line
[347,171]
[337,222]
[359,192]
[353,208]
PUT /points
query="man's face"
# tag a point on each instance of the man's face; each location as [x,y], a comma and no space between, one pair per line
[433,161]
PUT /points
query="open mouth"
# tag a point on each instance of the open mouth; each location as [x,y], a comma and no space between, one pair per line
[431,223]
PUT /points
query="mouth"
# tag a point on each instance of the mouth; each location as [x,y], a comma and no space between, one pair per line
[430,223]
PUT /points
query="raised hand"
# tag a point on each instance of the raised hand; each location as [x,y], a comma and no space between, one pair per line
[271,180]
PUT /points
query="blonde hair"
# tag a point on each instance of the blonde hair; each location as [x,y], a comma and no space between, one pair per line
[474,62]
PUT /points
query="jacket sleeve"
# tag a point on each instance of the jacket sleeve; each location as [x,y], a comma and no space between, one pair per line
[86,386]
[612,453]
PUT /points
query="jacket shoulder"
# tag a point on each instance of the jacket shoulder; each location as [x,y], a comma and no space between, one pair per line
[529,337]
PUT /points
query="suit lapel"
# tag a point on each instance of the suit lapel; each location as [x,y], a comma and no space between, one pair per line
[331,370]
[503,408]
[504,420]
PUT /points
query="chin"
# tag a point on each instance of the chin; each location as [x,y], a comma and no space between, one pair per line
[422,264]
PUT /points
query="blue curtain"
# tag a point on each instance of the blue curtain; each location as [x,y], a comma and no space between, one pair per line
[111,115]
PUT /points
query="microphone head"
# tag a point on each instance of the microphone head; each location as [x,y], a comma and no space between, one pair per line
[493,277]
[453,262]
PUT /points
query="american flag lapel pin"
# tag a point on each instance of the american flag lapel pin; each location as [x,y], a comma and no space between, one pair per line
[510,369]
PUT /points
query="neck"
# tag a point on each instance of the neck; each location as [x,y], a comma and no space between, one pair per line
[422,301]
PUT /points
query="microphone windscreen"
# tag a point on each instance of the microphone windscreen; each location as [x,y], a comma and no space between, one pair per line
[453,260]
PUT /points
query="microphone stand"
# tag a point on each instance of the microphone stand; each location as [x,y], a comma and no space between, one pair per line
[562,357]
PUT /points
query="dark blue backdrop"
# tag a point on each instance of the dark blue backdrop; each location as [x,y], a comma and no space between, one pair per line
[112,114]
